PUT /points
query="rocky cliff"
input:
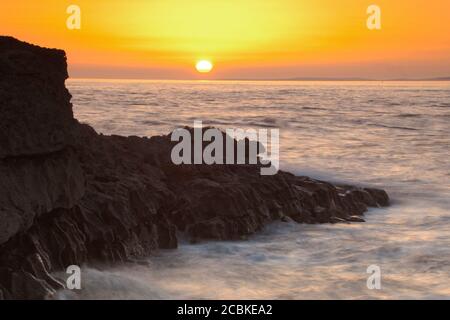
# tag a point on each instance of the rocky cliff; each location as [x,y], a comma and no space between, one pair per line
[71,196]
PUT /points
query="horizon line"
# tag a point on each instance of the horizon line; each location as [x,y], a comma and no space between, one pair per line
[306,79]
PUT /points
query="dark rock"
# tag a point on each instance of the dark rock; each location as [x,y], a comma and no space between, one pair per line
[355,219]
[24,285]
[338,220]
[35,185]
[380,196]
[71,196]
[37,114]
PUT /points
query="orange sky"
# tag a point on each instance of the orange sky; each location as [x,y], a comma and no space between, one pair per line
[244,39]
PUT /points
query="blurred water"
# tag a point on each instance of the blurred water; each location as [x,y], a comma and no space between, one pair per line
[394,135]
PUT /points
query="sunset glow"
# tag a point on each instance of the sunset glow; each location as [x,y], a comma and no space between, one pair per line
[251,39]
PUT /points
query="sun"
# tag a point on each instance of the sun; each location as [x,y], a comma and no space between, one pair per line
[204,66]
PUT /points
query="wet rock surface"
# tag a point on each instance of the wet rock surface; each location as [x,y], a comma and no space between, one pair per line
[70,196]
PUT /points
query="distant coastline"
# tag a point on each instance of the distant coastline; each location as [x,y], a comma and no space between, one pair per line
[368,79]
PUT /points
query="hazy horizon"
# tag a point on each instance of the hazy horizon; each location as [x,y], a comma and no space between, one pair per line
[311,79]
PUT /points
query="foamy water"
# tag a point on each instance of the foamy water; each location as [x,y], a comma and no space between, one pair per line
[393,135]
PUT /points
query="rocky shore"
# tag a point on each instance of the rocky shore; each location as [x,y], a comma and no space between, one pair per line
[71,196]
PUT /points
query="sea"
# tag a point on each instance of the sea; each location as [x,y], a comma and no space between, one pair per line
[390,135]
